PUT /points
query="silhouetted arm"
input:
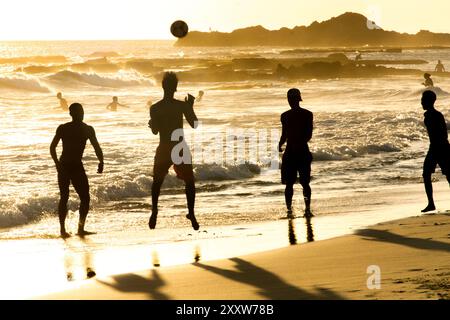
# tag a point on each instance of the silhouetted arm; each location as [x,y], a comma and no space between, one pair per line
[283,138]
[53,146]
[310,128]
[98,150]
[153,124]
[189,112]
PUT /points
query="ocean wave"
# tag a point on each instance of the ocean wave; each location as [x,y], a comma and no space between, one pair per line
[346,153]
[74,78]
[22,84]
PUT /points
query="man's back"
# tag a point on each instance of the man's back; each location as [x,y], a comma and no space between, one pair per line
[74,136]
[167,116]
[298,126]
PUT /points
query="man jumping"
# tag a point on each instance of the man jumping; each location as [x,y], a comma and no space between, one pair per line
[166,118]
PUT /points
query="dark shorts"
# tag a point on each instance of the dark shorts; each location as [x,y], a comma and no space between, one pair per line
[433,159]
[75,174]
[295,165]
[163,162]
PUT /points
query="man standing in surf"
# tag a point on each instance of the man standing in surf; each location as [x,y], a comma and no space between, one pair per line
[439,151]
[166,118]
[297,129]
[70,166]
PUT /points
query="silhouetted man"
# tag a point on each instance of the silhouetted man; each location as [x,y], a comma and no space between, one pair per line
[70,166]
[166,118]
[297,132]
[439,67]
[439,152]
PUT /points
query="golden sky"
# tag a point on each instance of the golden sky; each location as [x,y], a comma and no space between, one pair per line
[151,19]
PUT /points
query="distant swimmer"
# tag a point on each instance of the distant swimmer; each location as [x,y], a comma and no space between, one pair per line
[297,130]
[114,104]
[428,81]
[439,151]
[200,96]
[70,166]
[439,67]
[358,57]
[62,102]
[166,119]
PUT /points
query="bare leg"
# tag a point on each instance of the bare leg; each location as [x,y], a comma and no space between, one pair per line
[288,194]
[62,212]
[84,210]
[307,198]
[429,191]
[190,197]
[156,190]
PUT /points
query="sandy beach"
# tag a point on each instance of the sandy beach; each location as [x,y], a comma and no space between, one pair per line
[412,256]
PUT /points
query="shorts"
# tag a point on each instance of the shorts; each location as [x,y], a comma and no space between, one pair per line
[296,164]
[163,162]
[436,158]
[75,174]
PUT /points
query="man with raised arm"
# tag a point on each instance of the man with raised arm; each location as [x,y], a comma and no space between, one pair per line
[70,168]
[166,119]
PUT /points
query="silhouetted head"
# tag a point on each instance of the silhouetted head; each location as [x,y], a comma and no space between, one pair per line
[428,99]
[427,76]
[439,61]
[76,112]
[59,95]
[294,97]
[115,99]
[170,82]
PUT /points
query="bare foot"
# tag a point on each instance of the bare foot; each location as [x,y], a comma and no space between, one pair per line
[152,221]
[430,207]
[65,234]
[308,214]
[194,222]
[83,233]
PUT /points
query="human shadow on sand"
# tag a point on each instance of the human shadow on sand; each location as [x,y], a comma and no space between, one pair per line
[269,285]
[133,283]
[386,236]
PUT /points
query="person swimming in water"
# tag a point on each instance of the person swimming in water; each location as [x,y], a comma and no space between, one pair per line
[439,67]
[199,98]
[63,105]
[114,104]
[428,81]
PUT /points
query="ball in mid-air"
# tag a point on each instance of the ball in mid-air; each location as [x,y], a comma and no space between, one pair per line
[179,29]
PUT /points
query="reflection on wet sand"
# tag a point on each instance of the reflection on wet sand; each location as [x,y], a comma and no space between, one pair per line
[78,259]
[292,233]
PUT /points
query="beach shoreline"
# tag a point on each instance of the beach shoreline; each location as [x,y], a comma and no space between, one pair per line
[58,266]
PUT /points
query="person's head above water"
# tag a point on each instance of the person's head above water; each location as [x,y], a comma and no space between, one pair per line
[428,99]
[294,97]
[427,76]
[115,99]
[59,95]
[170,82]
[76,112]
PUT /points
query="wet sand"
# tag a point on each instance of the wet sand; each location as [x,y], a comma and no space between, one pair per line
[326,257]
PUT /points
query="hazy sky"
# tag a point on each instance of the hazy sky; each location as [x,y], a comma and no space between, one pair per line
[151,19]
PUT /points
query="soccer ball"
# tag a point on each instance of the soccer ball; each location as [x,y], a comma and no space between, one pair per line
[179,29]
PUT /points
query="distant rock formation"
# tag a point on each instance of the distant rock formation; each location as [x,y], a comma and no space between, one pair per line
[347,30]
